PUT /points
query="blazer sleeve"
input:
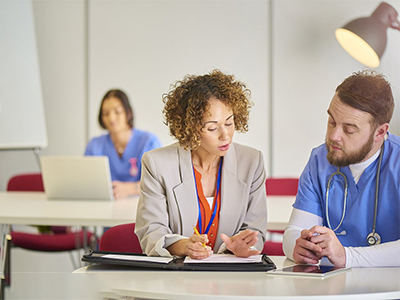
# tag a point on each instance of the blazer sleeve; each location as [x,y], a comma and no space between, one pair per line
[256,214]
[152,219]
[244,203]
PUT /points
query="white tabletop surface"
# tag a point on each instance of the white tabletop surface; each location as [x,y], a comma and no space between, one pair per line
[35,208]
[358,283]
[279,210]
[113,282]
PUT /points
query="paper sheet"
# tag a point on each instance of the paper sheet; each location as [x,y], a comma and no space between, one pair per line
[157,259]
[225,258]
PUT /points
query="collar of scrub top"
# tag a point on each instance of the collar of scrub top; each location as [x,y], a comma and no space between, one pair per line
[215,198]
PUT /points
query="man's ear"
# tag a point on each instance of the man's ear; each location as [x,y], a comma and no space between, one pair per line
[380,132]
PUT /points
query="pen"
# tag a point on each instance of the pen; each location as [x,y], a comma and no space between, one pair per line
[197,232]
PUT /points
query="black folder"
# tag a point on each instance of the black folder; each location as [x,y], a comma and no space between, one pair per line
[177,263]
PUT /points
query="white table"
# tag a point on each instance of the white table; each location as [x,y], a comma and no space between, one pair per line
[358,283]
[99,282]
[28,208]
[35,208]
[24,208]
[279,210]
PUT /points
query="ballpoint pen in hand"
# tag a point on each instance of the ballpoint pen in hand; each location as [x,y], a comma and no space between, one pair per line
[197,232]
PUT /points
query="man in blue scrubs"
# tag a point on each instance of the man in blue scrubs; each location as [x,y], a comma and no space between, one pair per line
[347,208]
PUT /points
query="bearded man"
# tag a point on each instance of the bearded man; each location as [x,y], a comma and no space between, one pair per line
[347,208]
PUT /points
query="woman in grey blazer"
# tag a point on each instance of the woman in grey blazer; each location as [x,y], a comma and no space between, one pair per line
[204,180]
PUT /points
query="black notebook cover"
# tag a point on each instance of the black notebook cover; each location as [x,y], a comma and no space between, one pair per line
[100,257]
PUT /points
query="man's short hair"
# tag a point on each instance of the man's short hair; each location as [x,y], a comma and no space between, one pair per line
[370,92]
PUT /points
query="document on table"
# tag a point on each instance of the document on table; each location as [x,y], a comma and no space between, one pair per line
[225,258]
[157,259]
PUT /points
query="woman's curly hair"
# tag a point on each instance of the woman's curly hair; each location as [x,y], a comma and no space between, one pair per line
[188,101]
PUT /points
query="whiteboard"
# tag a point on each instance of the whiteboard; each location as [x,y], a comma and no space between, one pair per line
[22,119]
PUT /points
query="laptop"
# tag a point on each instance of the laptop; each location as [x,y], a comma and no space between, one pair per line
[77,177]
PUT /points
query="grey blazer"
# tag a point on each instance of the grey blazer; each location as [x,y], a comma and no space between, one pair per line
[168,201]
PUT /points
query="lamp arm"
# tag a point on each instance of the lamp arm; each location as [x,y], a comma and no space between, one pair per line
[395,24]
[387,14]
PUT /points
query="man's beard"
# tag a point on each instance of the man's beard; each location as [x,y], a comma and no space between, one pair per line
[348,158]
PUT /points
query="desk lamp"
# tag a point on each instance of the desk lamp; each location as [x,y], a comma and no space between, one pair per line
[365,38]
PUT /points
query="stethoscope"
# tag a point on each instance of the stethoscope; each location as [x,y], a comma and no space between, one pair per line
[373,238]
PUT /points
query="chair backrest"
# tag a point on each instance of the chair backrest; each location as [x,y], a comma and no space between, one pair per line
[273,249]
[120,238]
[281,186]
[31,182]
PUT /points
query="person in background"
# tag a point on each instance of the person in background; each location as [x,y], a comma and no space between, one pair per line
[347,208]
[205,182]
[124,144]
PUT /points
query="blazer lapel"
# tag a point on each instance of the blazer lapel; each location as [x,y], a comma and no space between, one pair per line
[185,194]
[232,192]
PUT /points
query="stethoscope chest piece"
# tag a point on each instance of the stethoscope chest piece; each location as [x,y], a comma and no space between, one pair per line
[373,239]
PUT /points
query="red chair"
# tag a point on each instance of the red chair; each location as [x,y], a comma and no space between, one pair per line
[59,239]
[279,187]
[120,238]
[26,183]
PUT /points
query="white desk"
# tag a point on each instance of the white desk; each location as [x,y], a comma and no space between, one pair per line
[25,208]
[279,209]
[99,282]
[359,283]
[34,208]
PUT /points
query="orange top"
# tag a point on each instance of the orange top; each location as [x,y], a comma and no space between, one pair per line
[206,211]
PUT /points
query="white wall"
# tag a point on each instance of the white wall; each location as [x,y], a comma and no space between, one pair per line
[308,65]
[151,44]
[144,46]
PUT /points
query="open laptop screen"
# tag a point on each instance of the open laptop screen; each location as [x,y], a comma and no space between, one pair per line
[77,177]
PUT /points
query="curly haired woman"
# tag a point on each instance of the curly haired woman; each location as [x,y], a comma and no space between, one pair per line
[203,194]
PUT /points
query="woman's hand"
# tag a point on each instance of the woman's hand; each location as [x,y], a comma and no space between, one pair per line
[194,247]
[125,189]
[241,244]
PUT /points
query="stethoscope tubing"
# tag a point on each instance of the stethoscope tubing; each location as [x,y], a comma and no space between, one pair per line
[346,186]
[378,173]
[338,172]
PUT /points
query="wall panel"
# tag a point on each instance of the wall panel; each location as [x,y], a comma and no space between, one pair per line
[308,64]
[149,45]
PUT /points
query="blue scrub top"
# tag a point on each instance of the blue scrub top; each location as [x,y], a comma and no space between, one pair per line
[127,167]
[360,207]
